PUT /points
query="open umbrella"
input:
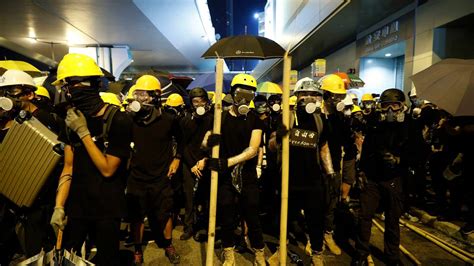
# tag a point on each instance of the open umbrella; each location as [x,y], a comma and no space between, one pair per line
[245,47]
[448,84]
[208,82]
[242,47]
[19,65]
[268,87]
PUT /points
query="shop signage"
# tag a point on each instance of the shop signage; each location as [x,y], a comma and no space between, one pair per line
[393,32]
[318,68]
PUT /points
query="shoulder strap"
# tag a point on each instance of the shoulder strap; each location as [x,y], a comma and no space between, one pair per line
[108,118]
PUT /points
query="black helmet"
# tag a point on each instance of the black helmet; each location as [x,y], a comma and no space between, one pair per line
[392,95]
[198,92]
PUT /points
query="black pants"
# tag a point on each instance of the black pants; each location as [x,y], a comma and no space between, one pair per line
[227,208]
[154,200]
[389,193]
[106,234]
[311,201]
[193,197]
[332,190]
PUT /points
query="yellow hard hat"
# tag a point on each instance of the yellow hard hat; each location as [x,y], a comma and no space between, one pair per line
[148,83]
[333,83]
[252,105]
[174,100]
[367,97]
[77,65]
[211,95]
[42,91]
[293,100]
[213,100]
[356,109]
[244,79]
[130,93]
[110,98]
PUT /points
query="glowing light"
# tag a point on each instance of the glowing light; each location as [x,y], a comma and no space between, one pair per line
[388,54]
[255,16]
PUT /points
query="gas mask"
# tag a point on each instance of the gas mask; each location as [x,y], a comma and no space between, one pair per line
[311,104]
[347,111]
[367,107]
[9,107]
[144,104]
[392,112]
[333,102]
[200,106]
[84,96]
[274,102]
[261,108]
[242,99]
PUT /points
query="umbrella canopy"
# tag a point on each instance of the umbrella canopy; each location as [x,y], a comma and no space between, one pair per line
[19,65]
[268,87]
[448,84]
[245,46]
[208,82]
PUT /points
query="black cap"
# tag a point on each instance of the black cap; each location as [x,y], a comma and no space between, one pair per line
[198,92]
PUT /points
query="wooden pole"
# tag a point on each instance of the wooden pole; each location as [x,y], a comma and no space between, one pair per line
[455,251]
[285,166]
[215,154]
[403,249]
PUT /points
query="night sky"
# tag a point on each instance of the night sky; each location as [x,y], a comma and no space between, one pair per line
[244,11]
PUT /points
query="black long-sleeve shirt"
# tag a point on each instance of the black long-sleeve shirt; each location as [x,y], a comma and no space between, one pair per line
[400,139]
[194,130]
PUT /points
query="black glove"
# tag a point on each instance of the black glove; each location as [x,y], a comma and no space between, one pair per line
[213,140]
[391,160]
[217,164]
[281,132]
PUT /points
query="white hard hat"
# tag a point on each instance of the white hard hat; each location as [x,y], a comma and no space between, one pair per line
[412,92]
[307,84]
[16,77]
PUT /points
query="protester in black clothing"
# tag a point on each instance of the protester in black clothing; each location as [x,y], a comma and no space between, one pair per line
[152,167]
[389,147]
[195,124]
[239,143]
[340,138]
[19,89]
[92,183]
[309,156]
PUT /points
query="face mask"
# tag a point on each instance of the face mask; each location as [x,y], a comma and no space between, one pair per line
[310,105]
[242,99]
[340,106]
[86,99]
[42,103]
[392,116]
[243,109]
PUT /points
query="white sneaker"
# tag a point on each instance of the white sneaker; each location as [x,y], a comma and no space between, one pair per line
[331,244]
[259,257]
[229,259]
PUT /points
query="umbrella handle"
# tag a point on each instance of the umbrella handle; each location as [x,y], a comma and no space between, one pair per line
[59,239]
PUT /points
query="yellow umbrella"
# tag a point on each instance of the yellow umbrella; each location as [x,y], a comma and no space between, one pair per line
[269,87]
[19,65]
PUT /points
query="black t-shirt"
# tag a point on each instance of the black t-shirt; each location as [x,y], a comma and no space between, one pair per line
[194,130]
[48,119]
[91,194]
[153,150]
[236,132]
[340,136]
[304,169]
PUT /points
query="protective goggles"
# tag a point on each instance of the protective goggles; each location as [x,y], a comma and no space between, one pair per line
[367,104]
[145,96]
[395,106]
[17,91]
[243,95]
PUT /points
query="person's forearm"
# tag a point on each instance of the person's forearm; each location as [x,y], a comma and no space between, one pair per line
[326,159]
[100,160]
[272,143]
[63,193]
[204,140]
[246,155]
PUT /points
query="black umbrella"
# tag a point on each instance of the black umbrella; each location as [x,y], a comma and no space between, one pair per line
[245,47]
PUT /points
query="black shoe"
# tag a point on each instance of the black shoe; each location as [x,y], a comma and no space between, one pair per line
[359,262]
[467,229]
[172,255]
[187,235]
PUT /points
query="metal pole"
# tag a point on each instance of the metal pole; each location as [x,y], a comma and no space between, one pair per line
[285,166]
[215,154]
[403,249]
